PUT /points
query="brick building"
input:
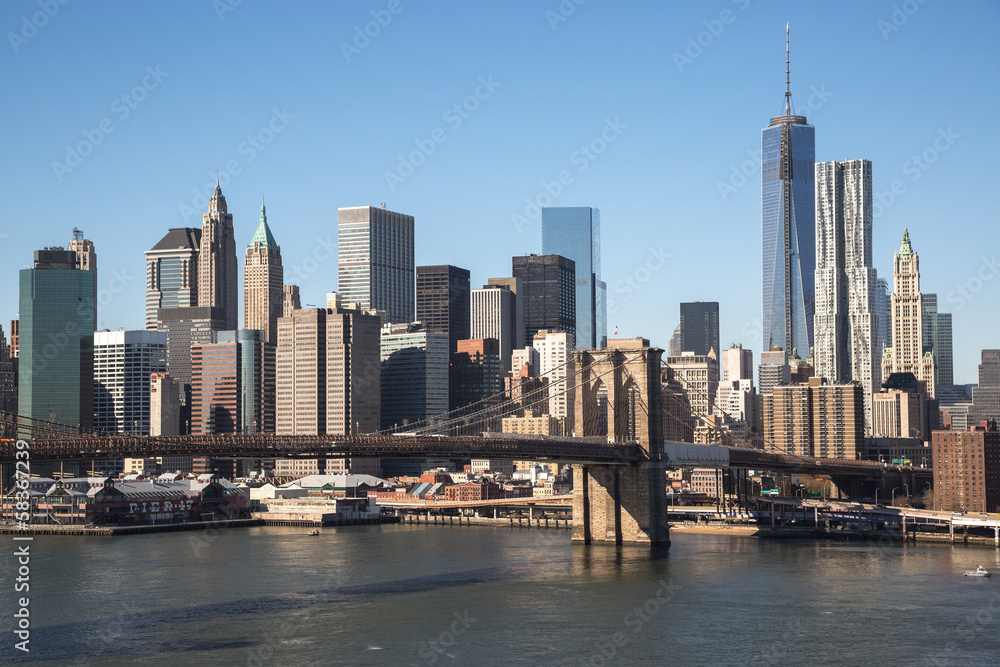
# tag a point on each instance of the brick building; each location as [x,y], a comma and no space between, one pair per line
[967,469]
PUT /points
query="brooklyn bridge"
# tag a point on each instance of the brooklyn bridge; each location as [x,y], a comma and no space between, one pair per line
[619,451]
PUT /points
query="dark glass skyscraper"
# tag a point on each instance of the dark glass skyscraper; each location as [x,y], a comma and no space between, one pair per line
[548,296]
[56,378]
[700,327]
[788,222]
[575,233]
[444,301]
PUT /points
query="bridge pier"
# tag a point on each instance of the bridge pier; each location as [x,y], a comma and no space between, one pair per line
[620,505]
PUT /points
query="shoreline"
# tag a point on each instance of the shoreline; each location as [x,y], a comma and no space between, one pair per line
[115,531]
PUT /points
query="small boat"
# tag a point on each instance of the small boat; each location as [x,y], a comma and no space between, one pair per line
[315,531]
[978,572]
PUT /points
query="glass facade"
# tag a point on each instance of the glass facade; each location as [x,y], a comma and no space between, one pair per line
[547,293]
[788,251]
[55,383]
[254,378]
[172,272]
[575,233]
[414,377]
[444,301]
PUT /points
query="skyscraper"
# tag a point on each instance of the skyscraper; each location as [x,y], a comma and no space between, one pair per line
[164,405]
[575,233]
[328,373]
[232,386]
[353,364]
[788,147]
[414,375]
[263,282]
[737,363]
[172,272]
[86,259]
[8,381]
[556,365]
[515,286]
[773,370]
[56,357]
[910,351]
[443,301]
[847,346]
[186,327]
[937,334]
[884,309]
[290,300]
[986,396]
[476,380]
[123,364]
[375,260]
[699,327]
[548,293]
[218,275]
[494,316]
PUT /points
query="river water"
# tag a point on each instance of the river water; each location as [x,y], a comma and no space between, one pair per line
[426,595]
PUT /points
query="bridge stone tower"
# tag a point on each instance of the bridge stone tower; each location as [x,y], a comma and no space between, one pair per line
[620,504]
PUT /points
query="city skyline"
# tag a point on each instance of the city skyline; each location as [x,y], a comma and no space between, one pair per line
[927,175]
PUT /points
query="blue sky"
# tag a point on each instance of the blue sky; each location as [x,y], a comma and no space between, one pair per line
[650,111]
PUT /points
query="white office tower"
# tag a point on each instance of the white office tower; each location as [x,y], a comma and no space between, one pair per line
[123,364]
[494,316]
[735,396]
[555,361]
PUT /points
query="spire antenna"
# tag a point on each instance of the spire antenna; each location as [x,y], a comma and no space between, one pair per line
[788,80]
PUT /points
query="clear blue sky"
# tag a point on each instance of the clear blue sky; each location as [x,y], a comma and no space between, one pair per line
[876,82]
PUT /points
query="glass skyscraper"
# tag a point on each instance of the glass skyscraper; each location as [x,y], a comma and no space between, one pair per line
[575,233]
[788,231]
[56,379]
[172,272]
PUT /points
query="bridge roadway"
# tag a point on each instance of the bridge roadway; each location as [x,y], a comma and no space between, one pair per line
[257,446]
[592,451]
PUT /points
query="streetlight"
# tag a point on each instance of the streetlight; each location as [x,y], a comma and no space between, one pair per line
[892,496]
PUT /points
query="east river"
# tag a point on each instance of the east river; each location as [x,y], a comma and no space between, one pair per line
[426,595]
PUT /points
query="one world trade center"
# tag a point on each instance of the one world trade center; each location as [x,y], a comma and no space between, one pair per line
[788,234]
